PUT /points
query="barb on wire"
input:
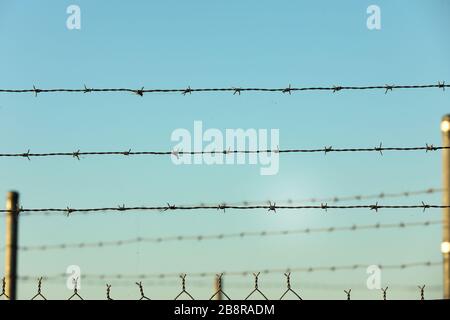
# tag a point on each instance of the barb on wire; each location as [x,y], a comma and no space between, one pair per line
[186,91]
[219,288]
[289,288]
[422,292]
[222,236]
[141,290]
[287,90]
[39,293]
[380,148]
[348,293]
[75,290]
[237,91]
[234,90]
[270,207]
[3,294]
[140,92]
[77,154]
[183,288]
[384,290]
[108,292]
[256,290]
[388,88]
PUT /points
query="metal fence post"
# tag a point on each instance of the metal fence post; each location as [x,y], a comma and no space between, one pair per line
[12,221]
[445,245]
[218,284]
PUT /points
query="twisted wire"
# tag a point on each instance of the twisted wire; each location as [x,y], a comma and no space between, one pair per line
[177,153]
[141,91]
[222,236]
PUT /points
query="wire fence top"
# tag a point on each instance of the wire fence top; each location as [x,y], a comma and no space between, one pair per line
[220,294]
[271,207]
[141,91]
[178,153]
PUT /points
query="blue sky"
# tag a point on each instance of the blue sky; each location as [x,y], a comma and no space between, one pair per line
[215,44]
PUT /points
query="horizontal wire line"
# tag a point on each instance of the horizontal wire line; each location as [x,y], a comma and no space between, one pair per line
[221,236]
[334,199]
[271,207]
[235,90]
[243,273]
[77,154]
[358,197]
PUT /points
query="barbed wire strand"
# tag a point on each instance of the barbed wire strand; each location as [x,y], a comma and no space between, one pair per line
[358,197]
[75,290]
[334,199]
[183,288]
[39,291]
[256,290]
[141,291]
[222,236]
[3,294]
[235,90]
[177,153]
[219,289]
[271,207]
[332,268]
[422,292]
[289,288]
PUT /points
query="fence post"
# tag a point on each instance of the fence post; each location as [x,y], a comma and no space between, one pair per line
[445,245]
[218,284]
[12,221]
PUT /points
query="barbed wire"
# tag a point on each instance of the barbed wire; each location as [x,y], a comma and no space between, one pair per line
[3,294]
[219,292]
[384,290]
[245,273]
[422,292]
[340,198]
[256,290]
[108,292]
[184,291]
[183,288]
[222,236]
[39,291]
[348,293]
[75,290]
[271,207]
[141,291]
[206,283]
[333,199]
[177,153]
[235,90]
[289,288]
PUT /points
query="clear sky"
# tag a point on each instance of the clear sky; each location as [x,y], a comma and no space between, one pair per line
[221,44]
